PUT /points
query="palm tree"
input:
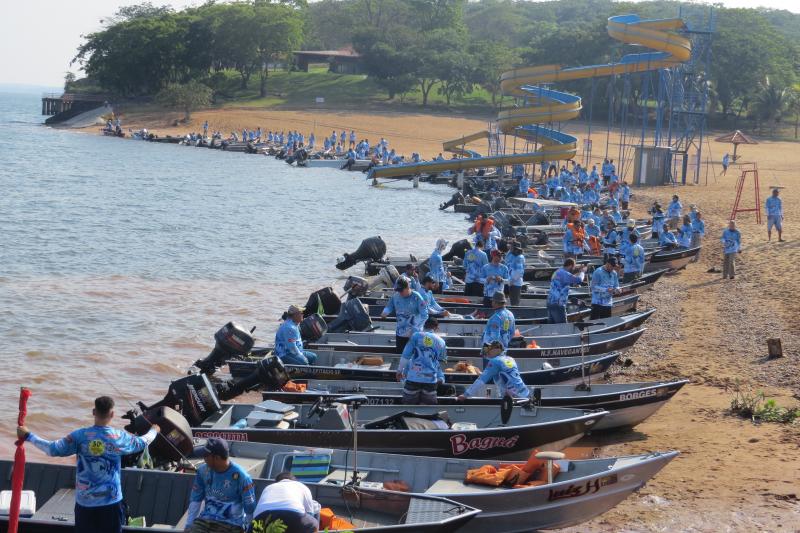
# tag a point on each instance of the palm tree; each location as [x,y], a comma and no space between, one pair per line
[770,102]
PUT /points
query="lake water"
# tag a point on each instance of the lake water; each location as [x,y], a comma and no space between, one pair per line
[120,259]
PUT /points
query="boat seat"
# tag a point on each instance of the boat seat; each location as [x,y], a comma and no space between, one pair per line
[337,477]
[60,507]
[457,486]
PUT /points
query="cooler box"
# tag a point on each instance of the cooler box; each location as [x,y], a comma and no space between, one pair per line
[27,503]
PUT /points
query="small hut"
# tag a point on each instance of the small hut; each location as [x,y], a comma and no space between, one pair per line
[736,138]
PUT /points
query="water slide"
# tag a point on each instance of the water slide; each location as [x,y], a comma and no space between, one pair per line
[545,106]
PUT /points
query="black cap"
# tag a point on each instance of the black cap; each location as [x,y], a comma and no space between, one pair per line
[213,446]
[612,261]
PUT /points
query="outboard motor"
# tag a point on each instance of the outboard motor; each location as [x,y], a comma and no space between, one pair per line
[269,373]
[193,396]
[356,286]
[172,444]
[458,249]
[231,341]
[313,327]
[538,219]
[323,301]
[371,249]
[457,198]
[353,317]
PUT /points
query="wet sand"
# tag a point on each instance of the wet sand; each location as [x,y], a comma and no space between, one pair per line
[732,475]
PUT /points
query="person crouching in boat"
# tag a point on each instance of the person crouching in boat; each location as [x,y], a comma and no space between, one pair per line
[421,365]
[429,286]
[287,501]
[289,343]
[410,310]
[502,370]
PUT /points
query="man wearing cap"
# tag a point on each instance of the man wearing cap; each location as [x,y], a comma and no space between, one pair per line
[290,502]
[515,261]
[99,450]
[774,208]
[429,286]
[421,365]
[474,261]
[557,296]
[289,343]
[610,240]
[410,310]
[503,371]
[502,324]
[226,489]
[413,278]
[732,246]
[633,260]
[604,284]
[625,236]
[674,212]
[495,275]
[436,265]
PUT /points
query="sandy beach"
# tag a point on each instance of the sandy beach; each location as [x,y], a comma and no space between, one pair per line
[732,475]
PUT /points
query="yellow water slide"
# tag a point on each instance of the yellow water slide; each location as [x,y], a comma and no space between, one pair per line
[545,106]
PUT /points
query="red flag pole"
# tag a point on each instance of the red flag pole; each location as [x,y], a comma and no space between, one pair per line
[18,475]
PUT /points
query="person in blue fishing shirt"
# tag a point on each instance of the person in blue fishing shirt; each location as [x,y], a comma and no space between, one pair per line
[591,228]
[633,260]
[726,161]
[223,489]
[610,241]
[624,238]
[474,261]
[774,209]
[421,365]
[412,276]
[625,195]
[574,239]
[658,220]
[410,310]
[352,138]
[327,144]
[436,265]
[289,343]
[502,370]
[99,449]
[685,232]
[495,276]
[558,295]
[502,324]
[616,214]
[604,284]
[590,196]
[731,247]
[698,232]
[429,287]
[515,261]
[311,141]
[674,212]
[667,240]
[524,185]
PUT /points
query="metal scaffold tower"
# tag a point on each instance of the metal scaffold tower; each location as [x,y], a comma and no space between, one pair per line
[686,89]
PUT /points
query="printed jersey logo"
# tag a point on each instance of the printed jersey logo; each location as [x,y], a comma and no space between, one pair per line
[97,447]
[509,362]
[506,324]
[427,341]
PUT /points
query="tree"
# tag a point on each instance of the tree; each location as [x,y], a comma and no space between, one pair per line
[185,96]
[278,30]
[492,59]
[770,103]
[69,79]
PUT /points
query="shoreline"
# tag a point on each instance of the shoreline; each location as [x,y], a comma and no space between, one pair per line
[731,471]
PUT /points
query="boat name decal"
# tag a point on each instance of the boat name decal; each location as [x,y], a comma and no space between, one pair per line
[581,489]
[637,394]
[240,436]
[559,352]
[461,444]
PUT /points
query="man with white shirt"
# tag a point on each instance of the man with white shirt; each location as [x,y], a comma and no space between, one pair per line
[289,501]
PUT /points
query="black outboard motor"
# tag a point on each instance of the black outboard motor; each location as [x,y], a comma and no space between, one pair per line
[371,249]
[538,219]
[457,198]
[172,444]
[353,317]
[458,249]
[324,300]
[313,327]
[231,341]
[356,286]
[269,373]
[193,396]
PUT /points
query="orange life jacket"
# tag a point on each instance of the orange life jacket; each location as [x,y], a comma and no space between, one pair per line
[578,234]
[533,192]
[595,245]
[483,226]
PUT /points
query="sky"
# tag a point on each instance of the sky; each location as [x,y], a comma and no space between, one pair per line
[40,37]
